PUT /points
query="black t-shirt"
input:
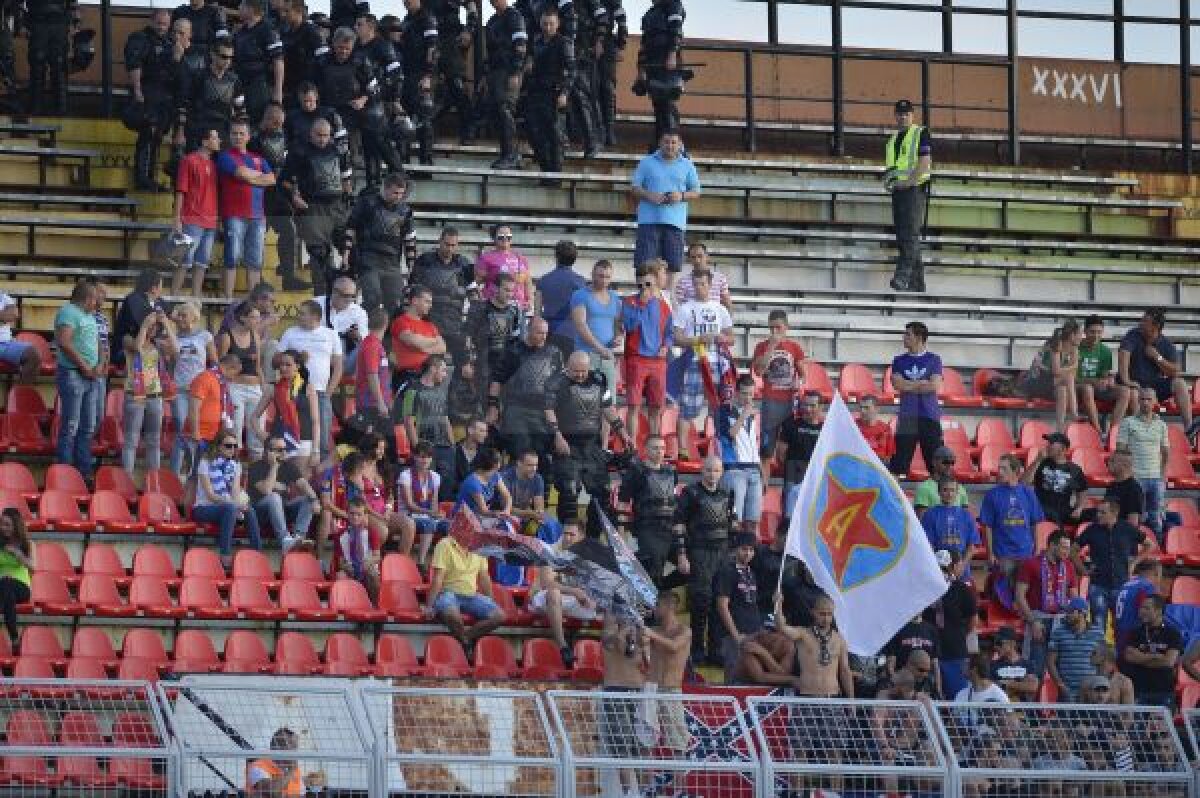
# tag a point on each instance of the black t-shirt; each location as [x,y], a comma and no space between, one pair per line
[952,615]
[1055,485]
[766,565]
[287,474]
[1110,551]
[133,311]
[800,438]
[913,636]
[738,584]
[1130,496]
[1153,640]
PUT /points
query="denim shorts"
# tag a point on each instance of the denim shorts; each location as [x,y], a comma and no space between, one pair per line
[476,606]
[200,252]
[11,352]
[244,242]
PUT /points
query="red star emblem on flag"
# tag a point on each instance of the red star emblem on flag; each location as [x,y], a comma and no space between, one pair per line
[846,524]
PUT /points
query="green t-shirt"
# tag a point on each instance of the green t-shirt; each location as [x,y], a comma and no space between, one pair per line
[85,334]
[11,567]
[927,495]
[1095,363]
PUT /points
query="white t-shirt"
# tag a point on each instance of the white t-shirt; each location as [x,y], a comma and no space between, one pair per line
[193,356]
[704,319]
[6,302]
[992,693]
[320,344]
[349,316]
[685,290]
[422,494]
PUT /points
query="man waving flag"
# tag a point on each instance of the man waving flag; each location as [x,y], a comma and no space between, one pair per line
[859,536]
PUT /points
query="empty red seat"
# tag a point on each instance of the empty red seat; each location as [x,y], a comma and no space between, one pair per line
[302,603]
[508,605]
[86,668]
[98,594]
[1095,466]
[953,392]
[994,432]
[394,657]
[149,594]
[495,652]
[399,601]
[33,667]
[344,656]
[52,558]
[144,644]
[135,730]
[16,477]
[27,727]
[27,400]
[66,478]
[541,659]
[856,381]
[350,600]
[1083,435]
[204,563]
[110,512]
[1183,546]
[14,500]
[1179,472]
[153,560]
[42,641]
[447,652]
[81,730]
[59,511]
[194,653]
[245,653]
[1186,509]
[199,596]
[49,595]
[589,660]
[249,599]
[251,564]
[816,378]
[165,481]
[118,480]
[162,515]
[23,434]
[295,655]
[1033,435]
[1185,590]
[91,642]
[101,558]
[302,565]
[401,568]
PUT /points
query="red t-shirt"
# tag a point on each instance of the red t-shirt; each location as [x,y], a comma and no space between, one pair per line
[371,360]
[878,435]
[405,358]
[1065,581]
[197,181]
[784,371]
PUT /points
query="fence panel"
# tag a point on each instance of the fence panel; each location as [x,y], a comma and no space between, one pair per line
[869,747]
[82,736]
[1021,750]
[233,733]
[621,743]
[453,742]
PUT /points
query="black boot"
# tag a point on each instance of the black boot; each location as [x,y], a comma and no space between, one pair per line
[143,163]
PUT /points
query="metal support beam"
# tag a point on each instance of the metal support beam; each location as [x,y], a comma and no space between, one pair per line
[106,58]
[947,26]
[1119,30]
[1014,77]
[839,123]
[773,21]
[1185,81]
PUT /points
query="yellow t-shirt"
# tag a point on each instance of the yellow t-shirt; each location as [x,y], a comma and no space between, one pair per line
[460,567]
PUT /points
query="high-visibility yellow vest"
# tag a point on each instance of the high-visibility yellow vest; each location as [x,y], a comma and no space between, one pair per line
[903,162]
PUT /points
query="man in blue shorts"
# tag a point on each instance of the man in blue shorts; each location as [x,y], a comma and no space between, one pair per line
[20,355]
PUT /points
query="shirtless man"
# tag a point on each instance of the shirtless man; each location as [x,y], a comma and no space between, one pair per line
[624,672]
[767,658]
[821,654]
[668,644]
[1120,688]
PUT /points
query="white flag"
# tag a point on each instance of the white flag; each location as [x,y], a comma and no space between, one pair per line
[859,536]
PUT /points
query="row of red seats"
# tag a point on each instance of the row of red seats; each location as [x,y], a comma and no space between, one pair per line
[93,655]
[79,729]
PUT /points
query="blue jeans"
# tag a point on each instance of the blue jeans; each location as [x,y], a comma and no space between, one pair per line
[1035,651]
[747,488]
[477,606]
[1102,600]
[1156,501]
[325,409]
[244,242]
[179,411]
[225,516]
[276,512]
[200,252]
[77,400]
[954,677]
[142,416]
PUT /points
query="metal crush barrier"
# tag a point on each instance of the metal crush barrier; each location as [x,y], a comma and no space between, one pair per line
[83,737]
[449,742]
[286,735]
[1023,750]
[817,747]
[641,743]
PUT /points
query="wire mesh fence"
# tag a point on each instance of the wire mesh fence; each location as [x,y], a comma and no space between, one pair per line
[641,743]
[273,734]
[82,737]
[1033,750]
[816,747]
[449,742]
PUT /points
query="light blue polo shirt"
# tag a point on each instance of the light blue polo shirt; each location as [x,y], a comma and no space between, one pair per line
[656,174]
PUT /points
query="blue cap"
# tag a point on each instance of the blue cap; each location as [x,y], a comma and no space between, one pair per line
[1077,605]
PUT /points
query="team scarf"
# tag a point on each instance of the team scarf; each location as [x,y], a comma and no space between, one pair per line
[222,474]
[287,414]
[226,399]
[1054,585]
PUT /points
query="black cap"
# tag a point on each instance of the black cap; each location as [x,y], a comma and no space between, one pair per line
[1057,437]
[744,539]
[904,107]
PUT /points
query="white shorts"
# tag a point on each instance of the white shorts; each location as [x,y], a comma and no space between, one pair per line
[570,606]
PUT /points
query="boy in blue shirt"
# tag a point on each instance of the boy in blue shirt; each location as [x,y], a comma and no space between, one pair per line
[1009,514]
[948,525]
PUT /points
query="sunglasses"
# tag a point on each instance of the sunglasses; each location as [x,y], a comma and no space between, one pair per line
[504,238]
[223,56]
[229,445]
[647,285]
[278,451]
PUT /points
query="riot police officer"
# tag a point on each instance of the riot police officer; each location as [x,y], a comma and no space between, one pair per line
[344,13]
[49,22]
[507,45]
[454,40]
[576,404]
[581,109]
[649,486]
[301,41]
[450,277]
[270,141]
[491,325]
[317,179]
[297,125]
[550,79]
[152,60]
[613,35]
[377,43]
[703,522]
[350,86]
[382,224]
[658,62]
[520,380]
[212,97]
[208,26]
[258,59]
[419,53]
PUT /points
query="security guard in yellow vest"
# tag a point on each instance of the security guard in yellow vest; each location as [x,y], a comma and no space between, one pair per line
[908,157]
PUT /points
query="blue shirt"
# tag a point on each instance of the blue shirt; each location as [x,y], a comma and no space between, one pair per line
[1142,369]
[557,287]
[657,175]
[918,367]
[601,318]
[1132,594]
[474,486]
[648,328]
[950,528]
[1011,512]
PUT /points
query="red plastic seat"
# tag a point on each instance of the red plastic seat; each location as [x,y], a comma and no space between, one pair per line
[27,400]
[146,645]
[1094,463]
[199,596]
[508,605]
[134,730]
[194,652]
[303,566]
[42,346]
[401,568]
[24,435]
[989,459]
[403,447]
[1183,546]
[541,659]
[856,381]
[32,667]
[399,601]
[1185,590]
[394,657]
[302,603]
[1179,472]
[495,652]
[162,515]
[1033,433]
[1083,435]
[59,511]
[251,564]
[48,595]
[52,558]
[80,730]
[350,600]
[245,653]
[249,599]
[446,652]
[66,478]
[1186,508]
[93,643]
[204,563]
[10,498]
[98,594]
[17,477]
[295,655]
[150,596]
[153,560]
[101,558]
[344,656]
[994,432]
[27,727]
[115,478]
[954,434]
[110,512]
[953,392]
[86,668]
[816,378]
[42,641]
[165,481]
[589,661]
